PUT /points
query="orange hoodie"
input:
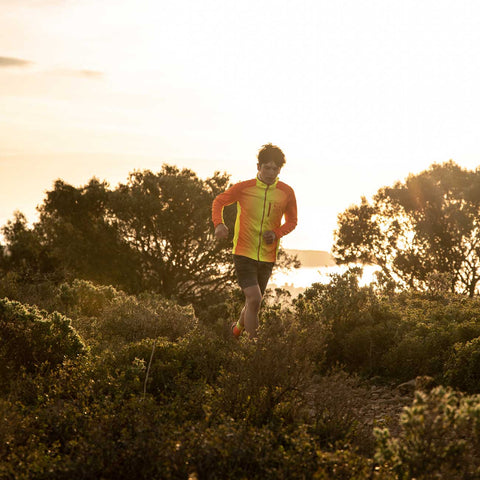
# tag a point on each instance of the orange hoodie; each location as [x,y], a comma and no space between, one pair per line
[260,207]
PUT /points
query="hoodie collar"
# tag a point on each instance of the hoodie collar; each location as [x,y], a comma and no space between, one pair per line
[264,185]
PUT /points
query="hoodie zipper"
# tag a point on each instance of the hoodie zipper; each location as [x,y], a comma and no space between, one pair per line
[261,223]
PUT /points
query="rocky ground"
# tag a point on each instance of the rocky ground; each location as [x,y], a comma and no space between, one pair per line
[343,403]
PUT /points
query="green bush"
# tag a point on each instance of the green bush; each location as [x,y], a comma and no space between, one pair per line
[31,339]
[398,337]
[236,450]
[431,326]
[463,368]
[110,438]
[346,464]
[84,298]
[109,318]
[440,438]
[358,328]
[266,381]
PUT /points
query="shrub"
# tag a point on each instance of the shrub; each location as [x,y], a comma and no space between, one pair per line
[128,319]
[358,328]
[266,380]
[430,328]
[337,404]
[346,464]
[109,318]
[440,438]
[31,339]
[109,438]
[463,368]
[235,450]
[38,290]
[84,298]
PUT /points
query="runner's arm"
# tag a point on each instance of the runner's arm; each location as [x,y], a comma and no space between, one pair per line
[290,217]
[226,198]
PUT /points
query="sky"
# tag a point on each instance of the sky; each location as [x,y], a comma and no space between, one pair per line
[358,94]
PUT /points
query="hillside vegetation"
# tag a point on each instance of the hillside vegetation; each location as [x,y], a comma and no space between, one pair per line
[97,383]
[117,360]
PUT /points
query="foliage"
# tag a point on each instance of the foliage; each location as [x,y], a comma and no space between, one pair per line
[463,367]
[430,330]
[238,450]
[110,318]
[419,230]
[266,381]
[440,438]
[346,464]
[152,233]
[400,336]
[81,239]
[24,252]
[165,218]
[161,393]
[31,340]
[359,328]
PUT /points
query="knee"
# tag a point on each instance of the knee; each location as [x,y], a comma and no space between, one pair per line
[254,302]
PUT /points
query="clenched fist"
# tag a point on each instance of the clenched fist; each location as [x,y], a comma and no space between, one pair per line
[269,237]
[221,231]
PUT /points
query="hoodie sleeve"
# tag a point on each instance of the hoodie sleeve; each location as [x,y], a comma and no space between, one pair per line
[290,216]
[228,197]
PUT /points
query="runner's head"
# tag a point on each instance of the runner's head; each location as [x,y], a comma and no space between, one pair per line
[270,161]
[271,153]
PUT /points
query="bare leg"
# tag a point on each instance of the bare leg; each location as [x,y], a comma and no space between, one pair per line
[253,301]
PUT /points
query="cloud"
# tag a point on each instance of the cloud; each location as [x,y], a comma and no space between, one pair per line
[32,3]
[82,73]
[90,73]
[6,62]
[12,62]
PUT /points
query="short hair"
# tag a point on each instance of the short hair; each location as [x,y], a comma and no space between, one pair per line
[269,153]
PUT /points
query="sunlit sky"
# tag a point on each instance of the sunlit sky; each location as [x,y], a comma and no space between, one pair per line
[358,94]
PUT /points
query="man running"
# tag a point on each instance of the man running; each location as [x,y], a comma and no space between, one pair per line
[261,205]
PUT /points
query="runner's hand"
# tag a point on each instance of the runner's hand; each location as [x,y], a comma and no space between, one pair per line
[269,237]
[221,231]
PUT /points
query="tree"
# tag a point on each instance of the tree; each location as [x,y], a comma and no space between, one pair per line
[24,251]
[165,218]
[152,233]
[419,230]
[81,239]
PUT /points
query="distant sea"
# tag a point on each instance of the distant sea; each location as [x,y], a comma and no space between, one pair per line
[303,277]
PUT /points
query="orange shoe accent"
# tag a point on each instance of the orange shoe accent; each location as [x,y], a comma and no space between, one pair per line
[236,332]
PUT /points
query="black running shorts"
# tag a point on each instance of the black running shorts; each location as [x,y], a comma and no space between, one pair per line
[252,272]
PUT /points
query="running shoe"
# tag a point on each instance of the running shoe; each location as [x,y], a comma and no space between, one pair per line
[236,331]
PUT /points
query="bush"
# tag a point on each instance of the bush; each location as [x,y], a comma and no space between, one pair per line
[40,290]
[31,339]
[336,404]
[431,326]
[463,368]
[266,381]
[346,464]
[109,438]
[358,328]
[440,438]
[236,450]
[109,318]
[398,337]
